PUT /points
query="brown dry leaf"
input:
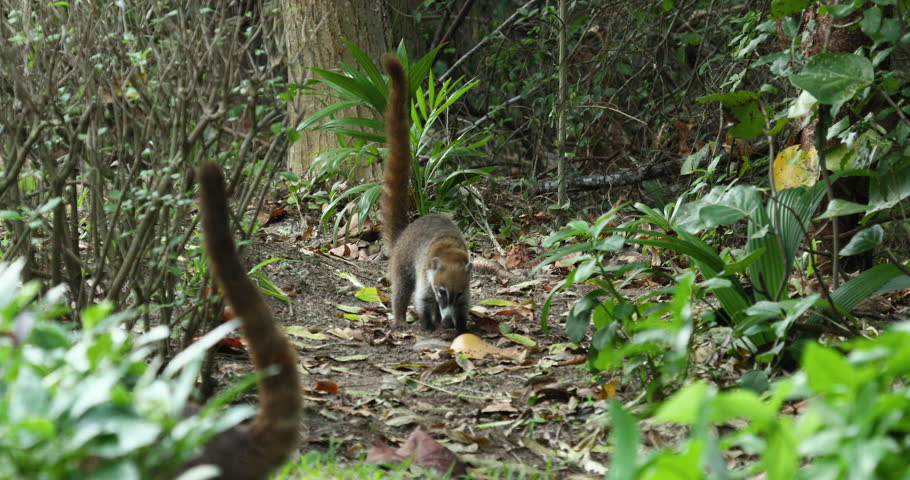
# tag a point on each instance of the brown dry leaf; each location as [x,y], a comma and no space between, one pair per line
[347,333]
[307,233]
[466,438]
[424,451]
[349,250]
[517,256]
[573,359]
[326,386]
[472,346]
[685,138]
[266,217]
[503,407]
[353,227]
[516,311]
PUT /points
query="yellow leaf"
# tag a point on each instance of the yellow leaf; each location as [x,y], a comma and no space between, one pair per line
[472,346]
[794,167]
[304,332]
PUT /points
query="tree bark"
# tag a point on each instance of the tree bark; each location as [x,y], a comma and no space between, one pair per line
[314,31]
[833,35]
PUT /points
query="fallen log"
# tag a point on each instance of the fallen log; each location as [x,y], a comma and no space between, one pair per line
[596,181]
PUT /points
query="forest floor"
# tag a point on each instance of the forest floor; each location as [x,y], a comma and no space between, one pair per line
[529,402]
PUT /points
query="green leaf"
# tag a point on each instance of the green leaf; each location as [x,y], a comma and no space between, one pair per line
[684,405]
[365,63]
[349,308]
[834,77]
[756,381]
[94,314]
[580,316]
[745,107]
[839,207]
[785,8]
[626,441]
[369,294]
[10,215]
[353,89]
[780,458]
[327,112]
[496,302]
[521,339]
[871,22]
[740,404]
[339,124]
[827,370]
[865,240]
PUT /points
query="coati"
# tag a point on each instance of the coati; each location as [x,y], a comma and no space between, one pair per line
[428,258]
[250,451]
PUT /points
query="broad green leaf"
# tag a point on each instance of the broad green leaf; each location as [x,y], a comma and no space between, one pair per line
[92,315]
[780,457]
[864,240]
[755,380]
[745,107]
[785,8]
[369,294]
[834,77]
[746,404]
[691,163]
[889,189]
[827,370]
[839,207]
[626,441]
[683,406]
[580,316]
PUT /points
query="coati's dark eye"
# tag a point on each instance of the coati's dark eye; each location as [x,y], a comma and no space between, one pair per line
[442,293]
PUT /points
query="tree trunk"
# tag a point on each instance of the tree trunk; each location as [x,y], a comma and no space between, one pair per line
[314,32]
[833,35]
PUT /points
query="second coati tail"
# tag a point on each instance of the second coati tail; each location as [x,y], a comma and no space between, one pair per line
[253,450]
[429,258]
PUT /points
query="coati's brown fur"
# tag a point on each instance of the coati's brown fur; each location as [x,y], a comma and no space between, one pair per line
[250,451]
[429,258]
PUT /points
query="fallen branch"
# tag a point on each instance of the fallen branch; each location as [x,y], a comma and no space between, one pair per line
[597,181]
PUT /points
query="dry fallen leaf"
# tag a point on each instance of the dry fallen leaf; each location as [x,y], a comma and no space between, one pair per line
[424,451]
[349,250]
[472,346]
[265,218]
[326,386]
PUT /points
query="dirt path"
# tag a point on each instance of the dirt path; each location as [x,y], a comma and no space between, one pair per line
[366,381]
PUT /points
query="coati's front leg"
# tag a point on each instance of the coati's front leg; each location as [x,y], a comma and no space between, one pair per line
[427,308]
[403,283]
